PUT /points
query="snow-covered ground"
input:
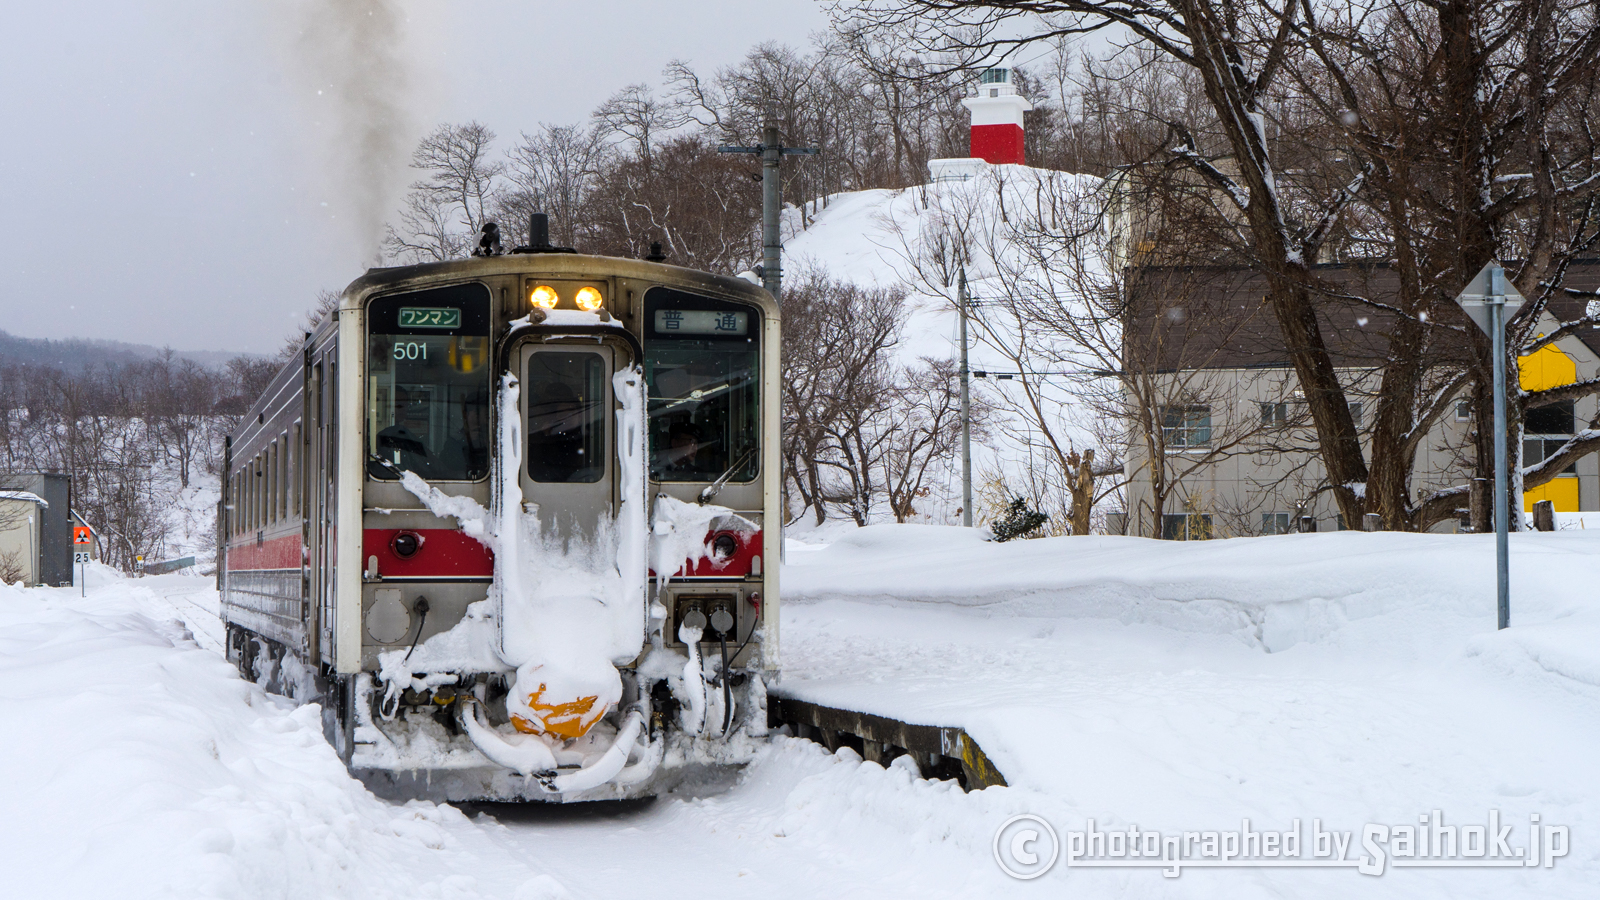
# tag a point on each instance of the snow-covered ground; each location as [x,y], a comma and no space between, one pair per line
[1348,677]
[1351,677]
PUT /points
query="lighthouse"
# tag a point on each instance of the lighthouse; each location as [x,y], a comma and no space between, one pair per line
[997,118]
[996,129]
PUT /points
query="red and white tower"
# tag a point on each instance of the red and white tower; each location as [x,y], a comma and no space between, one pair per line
[997,118]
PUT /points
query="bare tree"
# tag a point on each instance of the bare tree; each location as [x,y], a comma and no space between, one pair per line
[552,171]
[446,209]
[836,383]
[639,119]
[924,432]
[701,206]
[1440,135]
[1029,247]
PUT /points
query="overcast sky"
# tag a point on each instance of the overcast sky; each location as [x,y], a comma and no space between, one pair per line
[172,175]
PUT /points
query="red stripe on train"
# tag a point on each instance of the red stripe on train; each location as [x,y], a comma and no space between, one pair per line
[278,553]
[444,553]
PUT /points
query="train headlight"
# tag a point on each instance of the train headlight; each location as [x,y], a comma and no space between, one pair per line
[544,297]
[588,299]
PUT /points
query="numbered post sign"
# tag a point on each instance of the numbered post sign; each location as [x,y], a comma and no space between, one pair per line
[80,535]
[80,557]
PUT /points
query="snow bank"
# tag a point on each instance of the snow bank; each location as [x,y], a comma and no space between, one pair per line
[1270,592]
[140,765]
[1350,677]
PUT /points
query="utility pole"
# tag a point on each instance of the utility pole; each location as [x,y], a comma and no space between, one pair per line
[772,153]
[966,408]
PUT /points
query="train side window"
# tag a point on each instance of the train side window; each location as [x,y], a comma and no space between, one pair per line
[283,476]
[297,481]
[277,480]
[272,482]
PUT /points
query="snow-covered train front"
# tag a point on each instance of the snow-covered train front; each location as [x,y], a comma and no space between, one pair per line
[448,521]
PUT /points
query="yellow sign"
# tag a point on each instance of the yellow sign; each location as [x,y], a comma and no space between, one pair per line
[1545,368]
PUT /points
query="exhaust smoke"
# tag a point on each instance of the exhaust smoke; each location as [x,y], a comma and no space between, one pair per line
[357,68]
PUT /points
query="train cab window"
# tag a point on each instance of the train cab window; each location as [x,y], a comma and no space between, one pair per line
[565,395]
[703,379]
[428,384]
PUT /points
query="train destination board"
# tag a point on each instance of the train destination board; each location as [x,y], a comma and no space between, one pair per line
[701,321]
[429,317]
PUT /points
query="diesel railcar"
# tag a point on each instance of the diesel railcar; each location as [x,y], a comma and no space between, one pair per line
[507,519]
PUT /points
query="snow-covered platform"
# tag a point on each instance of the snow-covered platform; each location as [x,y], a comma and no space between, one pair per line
[1350,677]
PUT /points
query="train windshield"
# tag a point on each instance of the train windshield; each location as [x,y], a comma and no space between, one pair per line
[428,384]
[703,378]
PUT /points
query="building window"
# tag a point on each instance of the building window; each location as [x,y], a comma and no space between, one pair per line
[1463,410]
[1274,415]
[1544,430]
[1275,523]
[1186,527]
[1186,426]
[1355,413]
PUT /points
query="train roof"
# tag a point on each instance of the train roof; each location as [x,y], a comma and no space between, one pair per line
[555,265]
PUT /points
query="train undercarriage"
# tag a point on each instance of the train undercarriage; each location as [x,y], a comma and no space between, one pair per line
[453,740]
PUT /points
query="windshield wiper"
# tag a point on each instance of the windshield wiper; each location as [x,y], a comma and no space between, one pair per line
[375,458]
[715,486]
[700,395]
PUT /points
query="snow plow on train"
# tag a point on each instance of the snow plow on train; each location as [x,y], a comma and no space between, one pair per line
[503,518]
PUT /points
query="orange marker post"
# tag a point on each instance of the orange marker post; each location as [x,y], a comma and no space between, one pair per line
[82,537]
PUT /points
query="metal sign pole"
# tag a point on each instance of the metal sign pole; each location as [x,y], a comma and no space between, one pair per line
[1489,301]
[966,409]
[1496,302]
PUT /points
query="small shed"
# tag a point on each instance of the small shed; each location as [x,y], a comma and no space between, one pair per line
[36,528]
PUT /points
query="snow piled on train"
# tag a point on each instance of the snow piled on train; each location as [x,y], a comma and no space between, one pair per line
[565,610]
[568,606]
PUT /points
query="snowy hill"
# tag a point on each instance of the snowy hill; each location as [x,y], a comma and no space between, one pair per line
[1000,221]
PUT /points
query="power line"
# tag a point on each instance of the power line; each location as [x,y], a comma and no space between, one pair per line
[1010,376]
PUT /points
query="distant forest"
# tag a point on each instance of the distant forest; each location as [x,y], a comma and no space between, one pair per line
[131,424]
[76,354]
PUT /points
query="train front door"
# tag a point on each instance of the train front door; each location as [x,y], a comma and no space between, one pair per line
[569,458]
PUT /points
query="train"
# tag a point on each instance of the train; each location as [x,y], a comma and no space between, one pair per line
[510,520]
